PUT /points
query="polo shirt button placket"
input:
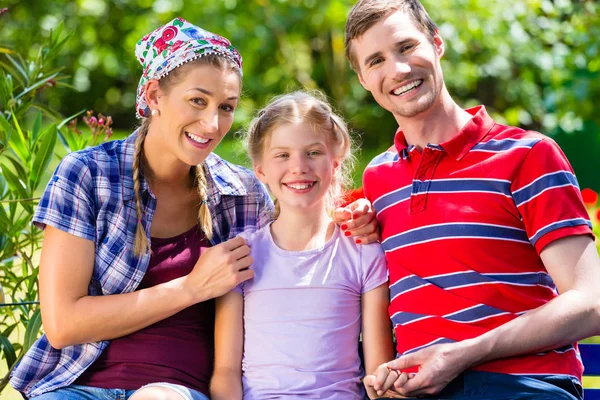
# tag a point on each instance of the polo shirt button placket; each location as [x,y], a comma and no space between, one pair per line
[424,174]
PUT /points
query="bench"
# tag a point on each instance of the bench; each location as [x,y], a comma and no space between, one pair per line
[590,354]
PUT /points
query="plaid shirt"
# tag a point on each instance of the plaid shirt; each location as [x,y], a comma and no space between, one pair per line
[91,196]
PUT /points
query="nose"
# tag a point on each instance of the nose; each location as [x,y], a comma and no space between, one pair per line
[299,164]
[210,121]
[401,67]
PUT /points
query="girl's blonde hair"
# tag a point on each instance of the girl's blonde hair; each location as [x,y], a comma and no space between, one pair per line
[297,107]
[142,243]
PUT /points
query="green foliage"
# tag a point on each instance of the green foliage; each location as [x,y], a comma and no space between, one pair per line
[533,63]
[29,132]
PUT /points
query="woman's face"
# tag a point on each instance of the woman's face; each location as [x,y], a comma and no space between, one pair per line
[196,111]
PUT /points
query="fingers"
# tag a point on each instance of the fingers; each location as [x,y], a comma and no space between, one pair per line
[381,375]
[371,238]
[406,361]
[341,215]
[234,243]
[244,275]
[388,383]
[369,381]
[402,379]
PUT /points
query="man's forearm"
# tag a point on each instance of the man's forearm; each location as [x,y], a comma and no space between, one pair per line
[566,319]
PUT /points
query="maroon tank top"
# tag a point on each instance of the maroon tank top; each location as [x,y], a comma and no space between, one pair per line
[178,349]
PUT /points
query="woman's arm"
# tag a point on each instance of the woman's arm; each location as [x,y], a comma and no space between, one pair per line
[226,382]
[377,341]
[71,316]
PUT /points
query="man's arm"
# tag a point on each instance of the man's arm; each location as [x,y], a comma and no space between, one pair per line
[573,264]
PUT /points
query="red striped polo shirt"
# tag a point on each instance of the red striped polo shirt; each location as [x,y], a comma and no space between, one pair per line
[463,223]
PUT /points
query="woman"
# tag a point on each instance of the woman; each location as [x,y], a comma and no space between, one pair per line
[103,280]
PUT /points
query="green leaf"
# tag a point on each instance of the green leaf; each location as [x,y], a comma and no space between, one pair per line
[22,174]
[18,67]
[13,182]
[66,120]
[36,85]
[8,350]
[3,187]
[19,142]
[43,155]
[37,125]
[33,330]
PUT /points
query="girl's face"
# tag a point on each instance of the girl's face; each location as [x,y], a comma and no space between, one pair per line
[197,111]
[297,165]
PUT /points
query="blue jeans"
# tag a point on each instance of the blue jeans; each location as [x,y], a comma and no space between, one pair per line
[77,392]
[477,385]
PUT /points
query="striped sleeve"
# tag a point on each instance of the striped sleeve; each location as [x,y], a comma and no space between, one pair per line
[66,203]
[548,197]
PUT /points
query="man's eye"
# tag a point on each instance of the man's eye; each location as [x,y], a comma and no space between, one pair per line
[376,61]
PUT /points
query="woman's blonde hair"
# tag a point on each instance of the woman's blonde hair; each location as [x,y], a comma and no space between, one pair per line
[297,107]
[142,243]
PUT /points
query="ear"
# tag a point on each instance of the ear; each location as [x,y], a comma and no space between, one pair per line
[362,81]
[152,94]
[438,43]
[336,165]
[260,173]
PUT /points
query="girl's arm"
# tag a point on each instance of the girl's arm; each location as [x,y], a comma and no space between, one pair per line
[226,382]
[71,316]
[377,341]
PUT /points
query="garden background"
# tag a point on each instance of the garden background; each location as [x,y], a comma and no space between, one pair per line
[533,63]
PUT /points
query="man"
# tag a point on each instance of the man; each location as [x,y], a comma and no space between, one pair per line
[483,226]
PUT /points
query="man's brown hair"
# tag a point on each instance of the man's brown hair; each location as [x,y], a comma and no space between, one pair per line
[367,13]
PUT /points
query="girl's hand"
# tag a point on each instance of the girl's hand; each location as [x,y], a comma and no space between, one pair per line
[219,269]
[357,220]
[370,381]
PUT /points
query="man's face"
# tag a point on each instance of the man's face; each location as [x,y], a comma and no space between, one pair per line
[399,65]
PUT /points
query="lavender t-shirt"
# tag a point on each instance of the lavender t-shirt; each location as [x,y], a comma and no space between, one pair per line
[302,318]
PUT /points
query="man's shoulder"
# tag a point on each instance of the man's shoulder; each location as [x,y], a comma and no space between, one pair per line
[386,158]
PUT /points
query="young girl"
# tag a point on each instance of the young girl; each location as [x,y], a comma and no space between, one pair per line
[293,330]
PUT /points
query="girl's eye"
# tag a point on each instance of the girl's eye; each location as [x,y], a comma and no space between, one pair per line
[282,155]
[198,101]
[314,153]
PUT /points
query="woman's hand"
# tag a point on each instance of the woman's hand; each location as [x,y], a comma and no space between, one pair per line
[357,220]
[219,269]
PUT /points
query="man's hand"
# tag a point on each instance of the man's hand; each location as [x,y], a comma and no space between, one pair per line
[357,220]
[438,366]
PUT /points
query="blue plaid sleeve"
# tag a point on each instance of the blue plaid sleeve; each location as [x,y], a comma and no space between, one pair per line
[67,203]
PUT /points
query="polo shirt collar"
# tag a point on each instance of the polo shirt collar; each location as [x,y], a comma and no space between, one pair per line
[459,145]
[222,179]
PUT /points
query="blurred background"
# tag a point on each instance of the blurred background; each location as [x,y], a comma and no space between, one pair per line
[533,63]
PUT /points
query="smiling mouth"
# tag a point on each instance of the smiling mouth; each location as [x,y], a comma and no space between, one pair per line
[197,139]
[300,186]
[407,88]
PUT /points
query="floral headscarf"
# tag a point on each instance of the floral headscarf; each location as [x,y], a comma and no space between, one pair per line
[172,45]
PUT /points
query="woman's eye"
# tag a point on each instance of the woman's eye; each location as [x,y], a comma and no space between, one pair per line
[282,155]
[227,108]
[198,101]
[404,49]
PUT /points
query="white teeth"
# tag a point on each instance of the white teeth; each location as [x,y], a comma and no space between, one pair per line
[299,186]
[407,87]
[197,138]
